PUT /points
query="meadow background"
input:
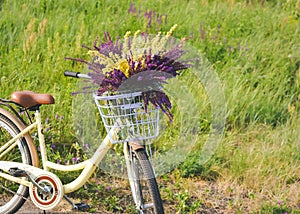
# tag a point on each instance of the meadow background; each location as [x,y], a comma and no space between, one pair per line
[254,47]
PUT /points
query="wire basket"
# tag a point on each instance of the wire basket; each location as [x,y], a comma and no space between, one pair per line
[125,113]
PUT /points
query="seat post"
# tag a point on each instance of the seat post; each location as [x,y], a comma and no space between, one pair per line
[34,108]
[41,138]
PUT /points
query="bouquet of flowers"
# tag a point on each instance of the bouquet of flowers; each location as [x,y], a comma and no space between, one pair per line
[147,59]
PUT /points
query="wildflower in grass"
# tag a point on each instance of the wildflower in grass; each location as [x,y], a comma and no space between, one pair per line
[97,180]
[150,16]
[159,20]
[132,8]
[202,31]
[75,160]
[142,57]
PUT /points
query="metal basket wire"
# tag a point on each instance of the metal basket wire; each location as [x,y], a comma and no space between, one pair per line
[125,112]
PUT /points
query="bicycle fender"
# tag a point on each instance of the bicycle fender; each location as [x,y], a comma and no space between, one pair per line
[21,126]
[136,146]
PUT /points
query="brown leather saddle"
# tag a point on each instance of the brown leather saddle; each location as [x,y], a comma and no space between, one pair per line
[28,99]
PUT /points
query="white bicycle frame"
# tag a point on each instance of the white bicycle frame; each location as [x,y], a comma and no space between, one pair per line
[87,167]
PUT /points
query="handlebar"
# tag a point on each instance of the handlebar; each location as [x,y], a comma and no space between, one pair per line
[76,74]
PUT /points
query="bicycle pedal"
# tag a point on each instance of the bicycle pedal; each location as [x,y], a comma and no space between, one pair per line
[15,171]
[82,207]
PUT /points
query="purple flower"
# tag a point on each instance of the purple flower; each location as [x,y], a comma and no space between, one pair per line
[132,8]
[149,22]
[159,100]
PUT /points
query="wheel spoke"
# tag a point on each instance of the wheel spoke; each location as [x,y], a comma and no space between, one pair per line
[13,192]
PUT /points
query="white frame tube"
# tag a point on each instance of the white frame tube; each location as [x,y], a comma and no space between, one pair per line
[87,167]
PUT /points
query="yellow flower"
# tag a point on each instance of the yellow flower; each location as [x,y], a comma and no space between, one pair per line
[171,30]
[127,34]
[143,63]
[124,67]
[93,53]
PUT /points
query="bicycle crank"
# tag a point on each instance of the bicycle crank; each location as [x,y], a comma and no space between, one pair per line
[46,191]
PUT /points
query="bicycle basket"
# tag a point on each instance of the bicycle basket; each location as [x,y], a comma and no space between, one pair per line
[125,112]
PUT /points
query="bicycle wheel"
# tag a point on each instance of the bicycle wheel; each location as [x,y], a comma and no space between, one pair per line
[144,185]
[12,195]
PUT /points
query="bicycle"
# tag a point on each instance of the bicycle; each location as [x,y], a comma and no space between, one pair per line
[125,121]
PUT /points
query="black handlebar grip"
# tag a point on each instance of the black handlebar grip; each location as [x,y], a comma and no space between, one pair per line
[71,74]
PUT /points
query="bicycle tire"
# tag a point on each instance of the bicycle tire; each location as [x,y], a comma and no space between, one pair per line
[13,195]
[145,181]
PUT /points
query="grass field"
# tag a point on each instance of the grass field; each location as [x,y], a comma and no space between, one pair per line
[254,46]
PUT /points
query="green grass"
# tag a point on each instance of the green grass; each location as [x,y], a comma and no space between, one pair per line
[254,48]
